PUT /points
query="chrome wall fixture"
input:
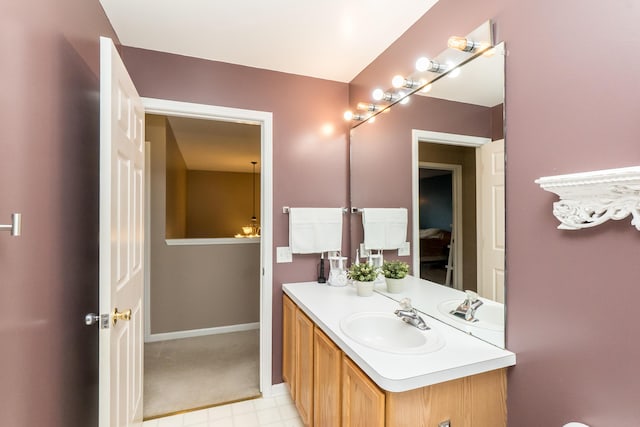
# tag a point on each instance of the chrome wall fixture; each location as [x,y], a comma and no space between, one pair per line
[15,228]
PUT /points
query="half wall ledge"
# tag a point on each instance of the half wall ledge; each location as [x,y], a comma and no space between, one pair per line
[591,198]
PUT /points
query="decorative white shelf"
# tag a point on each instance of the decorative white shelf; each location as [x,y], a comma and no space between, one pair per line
[591,198]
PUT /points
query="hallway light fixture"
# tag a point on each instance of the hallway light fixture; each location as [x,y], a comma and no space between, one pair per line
[253,228]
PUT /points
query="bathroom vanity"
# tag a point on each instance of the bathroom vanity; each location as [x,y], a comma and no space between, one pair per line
[338,375]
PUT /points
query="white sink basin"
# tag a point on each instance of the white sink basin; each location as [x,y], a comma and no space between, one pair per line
[490,314]
[387,332]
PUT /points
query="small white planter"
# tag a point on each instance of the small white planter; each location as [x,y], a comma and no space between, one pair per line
[364,289]
[395,286]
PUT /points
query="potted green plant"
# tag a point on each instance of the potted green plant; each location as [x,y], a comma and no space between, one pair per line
[363,276]
[395,273]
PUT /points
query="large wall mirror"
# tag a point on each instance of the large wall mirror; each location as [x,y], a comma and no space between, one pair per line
[441,156]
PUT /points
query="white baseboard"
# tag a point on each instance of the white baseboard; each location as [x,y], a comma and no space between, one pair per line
[276,390]
[201,332]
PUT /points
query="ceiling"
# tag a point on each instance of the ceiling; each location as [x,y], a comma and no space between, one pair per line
[328,39]
[215,145]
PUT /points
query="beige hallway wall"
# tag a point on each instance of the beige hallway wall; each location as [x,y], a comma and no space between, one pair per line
[195,287]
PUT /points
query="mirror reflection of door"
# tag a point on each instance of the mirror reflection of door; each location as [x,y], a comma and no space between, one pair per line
[436,223]
[451,231]
[202,334]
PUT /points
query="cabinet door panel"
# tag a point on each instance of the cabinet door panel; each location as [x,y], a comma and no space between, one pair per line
[326,381]
[288,343]
[304,367]
[363,403]
[427,406]
[486,396]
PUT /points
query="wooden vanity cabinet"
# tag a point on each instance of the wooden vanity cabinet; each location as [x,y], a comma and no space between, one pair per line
[363,403]
[329,389]
[288,344]
[297,358]
[327,381]
[303,372]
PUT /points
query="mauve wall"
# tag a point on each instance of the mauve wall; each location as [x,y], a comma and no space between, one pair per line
[381,158]
[49,172]
[569,293]
[309,168]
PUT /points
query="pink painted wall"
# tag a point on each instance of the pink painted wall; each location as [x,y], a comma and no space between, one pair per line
[49,172]
[569,293]
[310,168]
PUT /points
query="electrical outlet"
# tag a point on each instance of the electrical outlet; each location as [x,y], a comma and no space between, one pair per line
[404,250]
[283,254]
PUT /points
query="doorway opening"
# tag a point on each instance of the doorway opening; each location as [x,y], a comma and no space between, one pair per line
[433,241]
[440,205]
[208,282]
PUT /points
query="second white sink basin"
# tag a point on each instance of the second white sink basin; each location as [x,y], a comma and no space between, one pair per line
[490,315]
[387,332]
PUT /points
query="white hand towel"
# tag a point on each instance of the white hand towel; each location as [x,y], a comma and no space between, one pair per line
[384,228]
[315,230]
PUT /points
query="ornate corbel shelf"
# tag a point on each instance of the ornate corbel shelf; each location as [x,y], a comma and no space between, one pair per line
[591,198]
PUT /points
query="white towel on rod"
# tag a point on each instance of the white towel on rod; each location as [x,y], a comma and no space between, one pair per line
[384,228]
[315,230]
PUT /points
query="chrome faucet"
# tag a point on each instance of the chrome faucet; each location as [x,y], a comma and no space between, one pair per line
[410,315]
[467,309]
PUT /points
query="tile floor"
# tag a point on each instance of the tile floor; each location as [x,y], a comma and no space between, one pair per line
[277,411]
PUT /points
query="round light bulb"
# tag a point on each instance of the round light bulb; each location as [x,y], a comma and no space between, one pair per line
[460,43]
[423,64]
[348,115]
[378,94]
[397,81]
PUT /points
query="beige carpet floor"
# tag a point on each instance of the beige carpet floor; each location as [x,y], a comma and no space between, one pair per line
[191,373]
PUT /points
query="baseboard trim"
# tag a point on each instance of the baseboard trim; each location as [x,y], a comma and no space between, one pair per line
[278,390]
[165,336]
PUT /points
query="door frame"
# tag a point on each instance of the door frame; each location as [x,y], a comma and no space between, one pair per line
[265,120]
[456,235]
[418,136]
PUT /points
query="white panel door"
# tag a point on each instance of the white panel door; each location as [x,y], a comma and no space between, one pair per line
[121,242]
[491,213]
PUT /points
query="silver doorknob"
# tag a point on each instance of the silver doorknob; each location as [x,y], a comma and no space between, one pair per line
[91,319]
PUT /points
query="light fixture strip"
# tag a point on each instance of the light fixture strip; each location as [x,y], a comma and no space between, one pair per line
[483,32]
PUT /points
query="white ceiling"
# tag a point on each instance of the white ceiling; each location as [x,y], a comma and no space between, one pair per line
[328,39]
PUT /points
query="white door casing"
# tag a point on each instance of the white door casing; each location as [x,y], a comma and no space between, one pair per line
[265,120]
[491,220]
[121,241]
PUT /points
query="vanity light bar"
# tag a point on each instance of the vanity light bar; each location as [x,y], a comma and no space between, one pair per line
[400,82]
[447,64]
[463,44]
[426,64]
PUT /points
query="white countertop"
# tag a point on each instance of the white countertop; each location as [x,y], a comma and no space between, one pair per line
[461,356]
